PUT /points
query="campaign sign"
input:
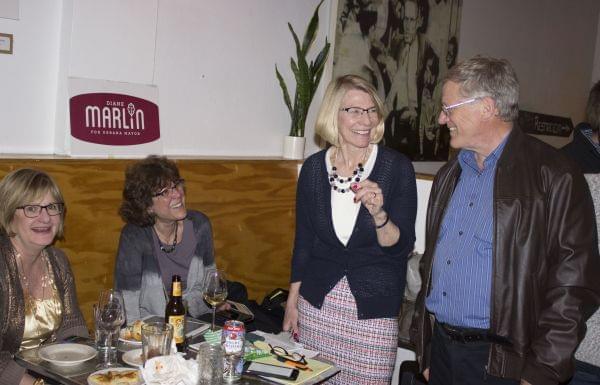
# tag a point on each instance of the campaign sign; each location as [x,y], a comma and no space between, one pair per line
[113,118]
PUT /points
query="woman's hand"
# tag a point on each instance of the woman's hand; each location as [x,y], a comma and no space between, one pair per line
[290,320]
[224,306]
[371,196]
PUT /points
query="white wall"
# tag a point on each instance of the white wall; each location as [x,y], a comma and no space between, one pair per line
[550,43]
[28,79]
[214,64]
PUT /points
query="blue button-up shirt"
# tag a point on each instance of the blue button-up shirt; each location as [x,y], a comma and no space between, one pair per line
[462,265]
[587,133]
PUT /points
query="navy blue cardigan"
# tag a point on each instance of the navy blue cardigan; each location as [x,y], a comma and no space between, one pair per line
[376,274]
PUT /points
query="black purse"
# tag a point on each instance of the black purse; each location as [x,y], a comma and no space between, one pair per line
[274,304]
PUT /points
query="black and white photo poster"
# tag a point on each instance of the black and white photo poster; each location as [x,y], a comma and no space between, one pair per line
[404,47]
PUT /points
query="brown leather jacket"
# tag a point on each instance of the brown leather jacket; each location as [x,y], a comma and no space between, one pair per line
[546,269]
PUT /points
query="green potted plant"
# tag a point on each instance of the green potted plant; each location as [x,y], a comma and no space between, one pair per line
[308,76]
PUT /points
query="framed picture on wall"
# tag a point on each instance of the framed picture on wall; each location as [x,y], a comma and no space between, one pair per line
[404,47]
[6,43]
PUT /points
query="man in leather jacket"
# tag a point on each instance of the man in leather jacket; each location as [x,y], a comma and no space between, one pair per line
[511,269]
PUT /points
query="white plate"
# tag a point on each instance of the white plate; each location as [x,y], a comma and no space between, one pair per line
[127,340]
[133,358]
[67,354]
[90,381]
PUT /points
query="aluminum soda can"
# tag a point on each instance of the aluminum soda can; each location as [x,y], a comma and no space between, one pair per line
[233,336]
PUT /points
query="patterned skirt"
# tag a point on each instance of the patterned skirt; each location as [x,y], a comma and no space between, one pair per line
[364,350]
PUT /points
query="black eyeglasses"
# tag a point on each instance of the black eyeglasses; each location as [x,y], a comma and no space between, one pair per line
[282,355]
[168,191]
[357,112]
[33,211]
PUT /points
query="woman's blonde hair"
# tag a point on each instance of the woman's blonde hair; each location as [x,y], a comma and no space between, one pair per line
[327,119]
[22,187]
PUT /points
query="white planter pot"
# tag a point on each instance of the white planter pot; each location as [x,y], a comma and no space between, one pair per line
[293,147]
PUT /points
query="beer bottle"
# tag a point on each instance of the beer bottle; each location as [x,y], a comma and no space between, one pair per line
[175,313]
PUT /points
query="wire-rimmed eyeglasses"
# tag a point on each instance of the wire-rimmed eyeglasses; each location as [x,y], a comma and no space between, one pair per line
[33,211]
[448,109]
[297,359]
[357,112]
[168,191]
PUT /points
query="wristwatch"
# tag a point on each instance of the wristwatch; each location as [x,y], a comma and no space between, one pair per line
[39,381]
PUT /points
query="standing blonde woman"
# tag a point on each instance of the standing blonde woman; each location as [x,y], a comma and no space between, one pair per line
[38,302]
[355,216]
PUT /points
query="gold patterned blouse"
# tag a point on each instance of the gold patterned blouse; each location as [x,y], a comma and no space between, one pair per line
[42,316]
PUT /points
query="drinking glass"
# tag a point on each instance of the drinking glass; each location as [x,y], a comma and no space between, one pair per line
[106,341]
[109,315]
[156,340]
[210,363]
[215,290]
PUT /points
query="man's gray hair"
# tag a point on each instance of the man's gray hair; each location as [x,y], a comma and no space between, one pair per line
[481,76]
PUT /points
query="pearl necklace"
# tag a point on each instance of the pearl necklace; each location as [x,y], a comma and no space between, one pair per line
[342,184]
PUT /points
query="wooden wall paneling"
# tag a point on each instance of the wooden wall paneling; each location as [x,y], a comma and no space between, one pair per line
[251,207]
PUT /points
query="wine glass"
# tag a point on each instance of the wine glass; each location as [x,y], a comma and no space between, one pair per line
[109,315]
[215,290]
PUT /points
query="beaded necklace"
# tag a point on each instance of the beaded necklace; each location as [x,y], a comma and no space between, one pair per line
[167,248]
[342,184]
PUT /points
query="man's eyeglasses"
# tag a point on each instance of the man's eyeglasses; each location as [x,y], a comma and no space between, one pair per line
[357,112]
[448,109]
[168,191]
[33,211]
[295,359]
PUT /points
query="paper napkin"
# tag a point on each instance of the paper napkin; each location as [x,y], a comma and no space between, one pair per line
[170,370]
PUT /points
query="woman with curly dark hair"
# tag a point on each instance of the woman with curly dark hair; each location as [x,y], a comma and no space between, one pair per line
[161,239]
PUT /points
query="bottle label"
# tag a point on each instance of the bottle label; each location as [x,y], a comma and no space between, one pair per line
[178,322]
[176,289]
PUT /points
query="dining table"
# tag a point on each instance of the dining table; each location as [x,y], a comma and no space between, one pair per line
[78,374]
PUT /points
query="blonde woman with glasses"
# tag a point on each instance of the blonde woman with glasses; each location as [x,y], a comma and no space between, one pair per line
[38,302]
[355,220]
